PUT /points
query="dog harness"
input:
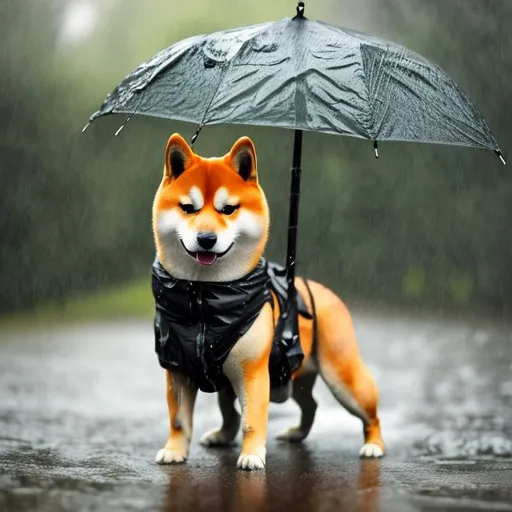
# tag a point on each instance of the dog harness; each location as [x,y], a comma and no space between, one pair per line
[198,323]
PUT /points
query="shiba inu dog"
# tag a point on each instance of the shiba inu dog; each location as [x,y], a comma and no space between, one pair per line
[211,225]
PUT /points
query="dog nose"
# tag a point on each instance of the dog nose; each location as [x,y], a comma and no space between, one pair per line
[206,240]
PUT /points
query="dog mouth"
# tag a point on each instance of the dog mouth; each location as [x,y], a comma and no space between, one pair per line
[206,258]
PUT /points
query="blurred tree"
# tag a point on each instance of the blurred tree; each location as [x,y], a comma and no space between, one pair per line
[423,226]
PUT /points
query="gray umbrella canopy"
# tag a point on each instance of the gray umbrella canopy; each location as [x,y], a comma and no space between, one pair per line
[304,75]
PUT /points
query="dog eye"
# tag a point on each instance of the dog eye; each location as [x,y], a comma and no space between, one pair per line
[187,208]
[229,209]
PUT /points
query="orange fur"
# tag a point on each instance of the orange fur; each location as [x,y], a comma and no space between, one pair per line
[255,377]
[334,356]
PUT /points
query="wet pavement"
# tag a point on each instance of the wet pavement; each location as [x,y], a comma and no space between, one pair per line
[83,413]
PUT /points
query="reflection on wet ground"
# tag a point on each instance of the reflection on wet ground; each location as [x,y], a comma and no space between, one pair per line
[82,414]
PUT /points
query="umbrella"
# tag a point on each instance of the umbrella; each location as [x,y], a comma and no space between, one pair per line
[303,75]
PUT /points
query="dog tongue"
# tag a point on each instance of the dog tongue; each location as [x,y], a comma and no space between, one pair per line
[206,258]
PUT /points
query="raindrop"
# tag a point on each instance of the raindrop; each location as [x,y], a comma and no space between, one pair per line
[122,126]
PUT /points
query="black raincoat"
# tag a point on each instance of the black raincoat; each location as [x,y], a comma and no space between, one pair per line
[198,323]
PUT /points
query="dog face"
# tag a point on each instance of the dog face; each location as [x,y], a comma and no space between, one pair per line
[210,216]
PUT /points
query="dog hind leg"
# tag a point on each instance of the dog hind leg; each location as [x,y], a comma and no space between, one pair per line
[359,396]
[345,374]
[303,395]
[226,434]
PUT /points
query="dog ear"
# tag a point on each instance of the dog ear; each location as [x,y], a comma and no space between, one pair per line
[242,158]
[178,156]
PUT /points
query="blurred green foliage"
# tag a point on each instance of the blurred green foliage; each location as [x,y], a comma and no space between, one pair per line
[118,302]
[424,226]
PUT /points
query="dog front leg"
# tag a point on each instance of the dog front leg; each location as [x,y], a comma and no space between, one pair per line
[252,387]
[181,396]
[247,369]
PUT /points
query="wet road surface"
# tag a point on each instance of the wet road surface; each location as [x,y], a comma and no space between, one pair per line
[83,413]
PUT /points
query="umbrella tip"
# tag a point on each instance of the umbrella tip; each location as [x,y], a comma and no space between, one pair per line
[500,156]
[194,137]
[376,148]
[86,126]
[300,9]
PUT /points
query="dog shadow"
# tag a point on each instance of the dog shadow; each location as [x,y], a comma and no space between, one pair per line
[221,487]
[311,483]
[294,479]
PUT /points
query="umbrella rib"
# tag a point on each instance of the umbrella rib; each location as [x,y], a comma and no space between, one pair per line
[213,96]
[369,102]
[221,79]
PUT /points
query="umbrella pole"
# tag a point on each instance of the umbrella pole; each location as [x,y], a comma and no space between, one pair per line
[288,325]
[294,214]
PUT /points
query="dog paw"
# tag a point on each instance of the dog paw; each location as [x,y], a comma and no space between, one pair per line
[371,451]
[250,462]
[292,435]
[217,437]
[165,456]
